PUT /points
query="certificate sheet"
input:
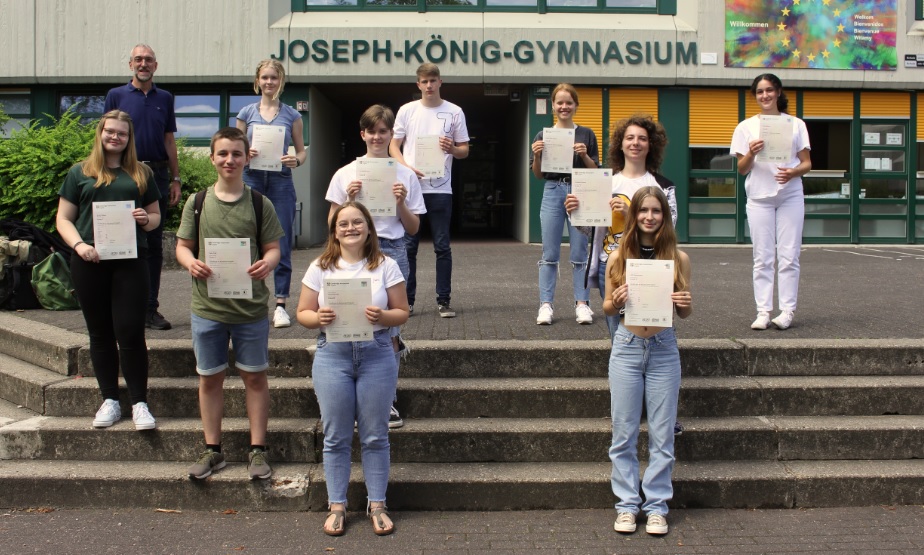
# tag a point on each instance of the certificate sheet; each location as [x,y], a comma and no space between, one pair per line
[349,299]
[429,157]
[557,150]
[776,132]
[268,141]
[114,230]
[378,176]
[592,188]
[229,259]
[651,283]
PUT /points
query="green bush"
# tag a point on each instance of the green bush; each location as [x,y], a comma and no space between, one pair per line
[197,172]
[33,163]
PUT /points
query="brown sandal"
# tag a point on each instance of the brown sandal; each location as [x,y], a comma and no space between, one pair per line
[378,525]
[337,529]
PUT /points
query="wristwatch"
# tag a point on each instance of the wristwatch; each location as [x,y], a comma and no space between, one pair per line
[177,179]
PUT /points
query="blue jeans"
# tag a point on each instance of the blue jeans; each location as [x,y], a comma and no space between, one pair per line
[439,214]
[612,322]
[395,249]
[553,218]
[278,187]
[643,370]
[355,382]
[155,253]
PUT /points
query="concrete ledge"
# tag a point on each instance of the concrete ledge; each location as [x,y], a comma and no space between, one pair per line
[56,438]
[46,346]
[25,384]
[712,357]
[834,357]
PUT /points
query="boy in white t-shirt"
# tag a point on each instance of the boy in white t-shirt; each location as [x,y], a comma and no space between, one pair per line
[431,115]
[376,127]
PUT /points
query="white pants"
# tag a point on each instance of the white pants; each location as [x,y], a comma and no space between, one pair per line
[776,232]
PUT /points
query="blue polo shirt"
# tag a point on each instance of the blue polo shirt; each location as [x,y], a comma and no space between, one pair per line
[152,115]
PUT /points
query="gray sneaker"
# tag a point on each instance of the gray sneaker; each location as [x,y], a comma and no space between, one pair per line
[258,468]
[207,462]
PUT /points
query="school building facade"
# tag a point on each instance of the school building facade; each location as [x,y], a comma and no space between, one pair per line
[682,61]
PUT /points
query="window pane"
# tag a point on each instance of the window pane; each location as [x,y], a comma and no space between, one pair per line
[712,187]
[391,2]
[919,229]
[529,3]
[712,159]
[197,128]
[236,102]
[330,2]
[919,193]
[826,228]
[197,103]
[451,2]
[883,188]
[826,208]
[880,134]
[15,104]
[883,161]
[89,105]
[712,208]
[712,228]
[572,3]
[12,125]
[631,3]
[825,186]
[882,228]
[880,209]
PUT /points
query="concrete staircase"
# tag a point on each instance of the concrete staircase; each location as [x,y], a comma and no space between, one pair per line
[489,426]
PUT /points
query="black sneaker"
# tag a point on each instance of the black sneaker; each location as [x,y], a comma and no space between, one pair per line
[394,419]
[156,321]
[678,428]
[446,311]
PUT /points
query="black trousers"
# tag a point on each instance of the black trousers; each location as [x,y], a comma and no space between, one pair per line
[113,296]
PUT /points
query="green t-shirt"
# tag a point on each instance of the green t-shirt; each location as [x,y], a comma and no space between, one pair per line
[221,220]
[79,190]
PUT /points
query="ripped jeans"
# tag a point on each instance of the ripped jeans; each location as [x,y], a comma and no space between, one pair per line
[553,218]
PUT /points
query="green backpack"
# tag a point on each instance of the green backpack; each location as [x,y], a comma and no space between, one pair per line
[52,283]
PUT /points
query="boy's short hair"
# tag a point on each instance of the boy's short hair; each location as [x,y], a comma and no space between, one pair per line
[375,114]
[428,70]
[232,134]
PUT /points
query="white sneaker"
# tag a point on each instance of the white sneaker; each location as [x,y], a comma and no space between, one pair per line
[142,418]
[762,322]
[545,315]
[281,318]
[784,320]
[108,414]
[657,524]
[584,314]
[625,522]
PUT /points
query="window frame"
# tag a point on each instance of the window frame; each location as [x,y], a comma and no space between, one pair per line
[662,7]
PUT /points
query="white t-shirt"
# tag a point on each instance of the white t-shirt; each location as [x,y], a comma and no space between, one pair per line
[386,275]
[447,120]
[387,227]
[761,182]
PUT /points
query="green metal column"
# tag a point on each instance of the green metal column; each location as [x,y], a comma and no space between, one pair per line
[536,124]
[674,113]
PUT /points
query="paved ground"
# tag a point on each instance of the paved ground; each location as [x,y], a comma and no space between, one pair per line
[879,530]
[846,292]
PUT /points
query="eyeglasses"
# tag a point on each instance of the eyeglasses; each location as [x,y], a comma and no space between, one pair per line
[111,133]
[358,223]
[146,59]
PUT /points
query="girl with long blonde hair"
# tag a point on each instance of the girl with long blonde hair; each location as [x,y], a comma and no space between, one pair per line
[644,368]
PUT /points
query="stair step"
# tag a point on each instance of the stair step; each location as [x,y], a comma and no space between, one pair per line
[447,487]
[448,440]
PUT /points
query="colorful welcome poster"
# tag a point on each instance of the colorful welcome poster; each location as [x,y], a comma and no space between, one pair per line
[811,34]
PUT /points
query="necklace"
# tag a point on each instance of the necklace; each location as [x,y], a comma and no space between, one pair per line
[647,253]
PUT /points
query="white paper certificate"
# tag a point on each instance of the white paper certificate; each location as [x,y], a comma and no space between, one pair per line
[229,260]
[557,150]
[651,283]
[349,299]
[776,133]
[114,230]
[429,157]
[378,176]
[268,141]
[592,188]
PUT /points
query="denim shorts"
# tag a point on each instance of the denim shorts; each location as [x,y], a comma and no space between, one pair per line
[210,344]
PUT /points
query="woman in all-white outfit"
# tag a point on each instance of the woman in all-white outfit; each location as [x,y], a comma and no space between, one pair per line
[775,203]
